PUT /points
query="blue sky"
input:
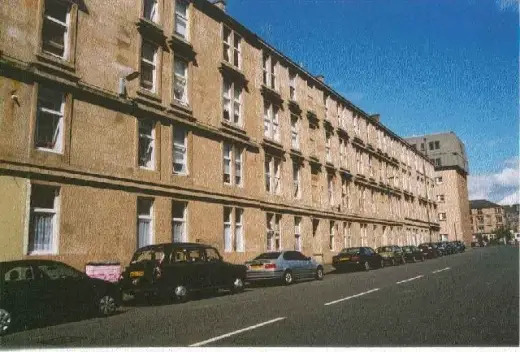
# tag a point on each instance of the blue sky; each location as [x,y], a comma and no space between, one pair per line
[425,65]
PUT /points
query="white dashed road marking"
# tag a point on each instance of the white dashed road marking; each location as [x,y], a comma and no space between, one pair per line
[413,278]
[438,271]
[349,297]
[236,332]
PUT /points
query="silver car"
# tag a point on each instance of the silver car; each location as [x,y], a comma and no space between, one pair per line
[286,266]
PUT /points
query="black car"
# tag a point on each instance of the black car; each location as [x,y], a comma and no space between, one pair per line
[430,250]
[44,289]
[441,247]
[451,248]
[461,247]
[174,270]
[357,257]
[413,254]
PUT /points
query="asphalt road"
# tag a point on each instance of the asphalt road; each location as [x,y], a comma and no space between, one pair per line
[468,299]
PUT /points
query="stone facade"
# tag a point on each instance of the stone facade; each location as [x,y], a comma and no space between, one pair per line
[129,125]
[486,216]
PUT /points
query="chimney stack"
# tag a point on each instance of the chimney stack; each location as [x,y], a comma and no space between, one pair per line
[321,78]
[221,4]
[376,117]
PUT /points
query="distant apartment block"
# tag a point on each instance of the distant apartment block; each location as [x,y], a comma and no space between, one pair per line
[447,153]
[486,216]
[512,214]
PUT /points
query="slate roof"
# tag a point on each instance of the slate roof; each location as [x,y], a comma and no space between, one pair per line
[482,204]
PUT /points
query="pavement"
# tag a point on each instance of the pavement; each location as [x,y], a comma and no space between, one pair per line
[467,299]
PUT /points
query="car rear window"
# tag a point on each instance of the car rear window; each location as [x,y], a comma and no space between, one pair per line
[148,255]
[269,255]
[353,250]
[384,249]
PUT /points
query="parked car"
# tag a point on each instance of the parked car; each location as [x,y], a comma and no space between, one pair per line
[413,254]
[430,249]
[392,254]
[450,248]
[461,247]
[285,266]
[475,244]
[42,289]
[175,270]
[358,258]
[441,247]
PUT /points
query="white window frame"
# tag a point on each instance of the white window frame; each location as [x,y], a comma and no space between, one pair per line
[180,17]
[442,216]
[298,242]
[342,152]
[269,66]
[232,45]
[150,137]
[295,131]
[182,148]
[151,63]
[54,212]
[181,80]
[235,177]
[293,77]
[273,173]
[144,217]
[297,191]
[271,121]
[330,188]
[273,232]
[328,139]
[42,113]
[66,29]
[332,234]
[153,5]
[347,237]
[182,221]
[230,101]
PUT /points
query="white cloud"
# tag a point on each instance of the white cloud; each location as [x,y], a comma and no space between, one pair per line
[502,187]
[507,4]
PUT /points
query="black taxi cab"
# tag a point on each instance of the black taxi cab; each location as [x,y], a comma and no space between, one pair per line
[175,270]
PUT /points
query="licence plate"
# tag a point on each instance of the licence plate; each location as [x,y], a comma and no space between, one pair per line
[257,267]
[136,273]
[344,259]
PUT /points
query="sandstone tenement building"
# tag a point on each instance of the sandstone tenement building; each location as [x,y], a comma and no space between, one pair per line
[124,125]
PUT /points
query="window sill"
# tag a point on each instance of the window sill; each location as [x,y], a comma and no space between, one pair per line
[180,175]
[151,30]
[149,98]
[184,109]
[232,71]
[294,106]
[271,94]
[57,66]
[35,253]
[47,150]
[275,145]
[182,47]
[146,168]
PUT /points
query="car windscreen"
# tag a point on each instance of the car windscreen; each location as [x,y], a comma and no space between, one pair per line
[148,255]
[384,249]
[268,255]
[353,250]
[407,249]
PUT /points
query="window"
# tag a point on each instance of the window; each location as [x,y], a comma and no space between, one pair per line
[149,66]
[49,120]
[146,143]
[325,104]
[272,174]
[232,164]
[292,85]
[181,19]
[331,236]
[180,81]
[269,67]
[58,271]
[43,228]
[273,232]
[345,193]
[370,168]
[312,139]
[232,102]
[297,192]
[144,222]
[327,147]
[347,239]
[271,123]
[23,272]
[151,10]
[212,255]
[442,216]
[440,198]
[295,132]
[330,188]
[342,152]
[297,234]
[231,45]
[179,232]
[438,180]
[437,162]
[315,180]
[56,29]
[180,149]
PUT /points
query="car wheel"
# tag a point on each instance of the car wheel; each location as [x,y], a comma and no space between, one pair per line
[367,266]
[180,293]
[287,277]
[414,259]
[319,273]
[238,285]
[6,321]
[107,305]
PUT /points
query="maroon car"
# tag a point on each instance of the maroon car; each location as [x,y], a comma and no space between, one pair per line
[357,258]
